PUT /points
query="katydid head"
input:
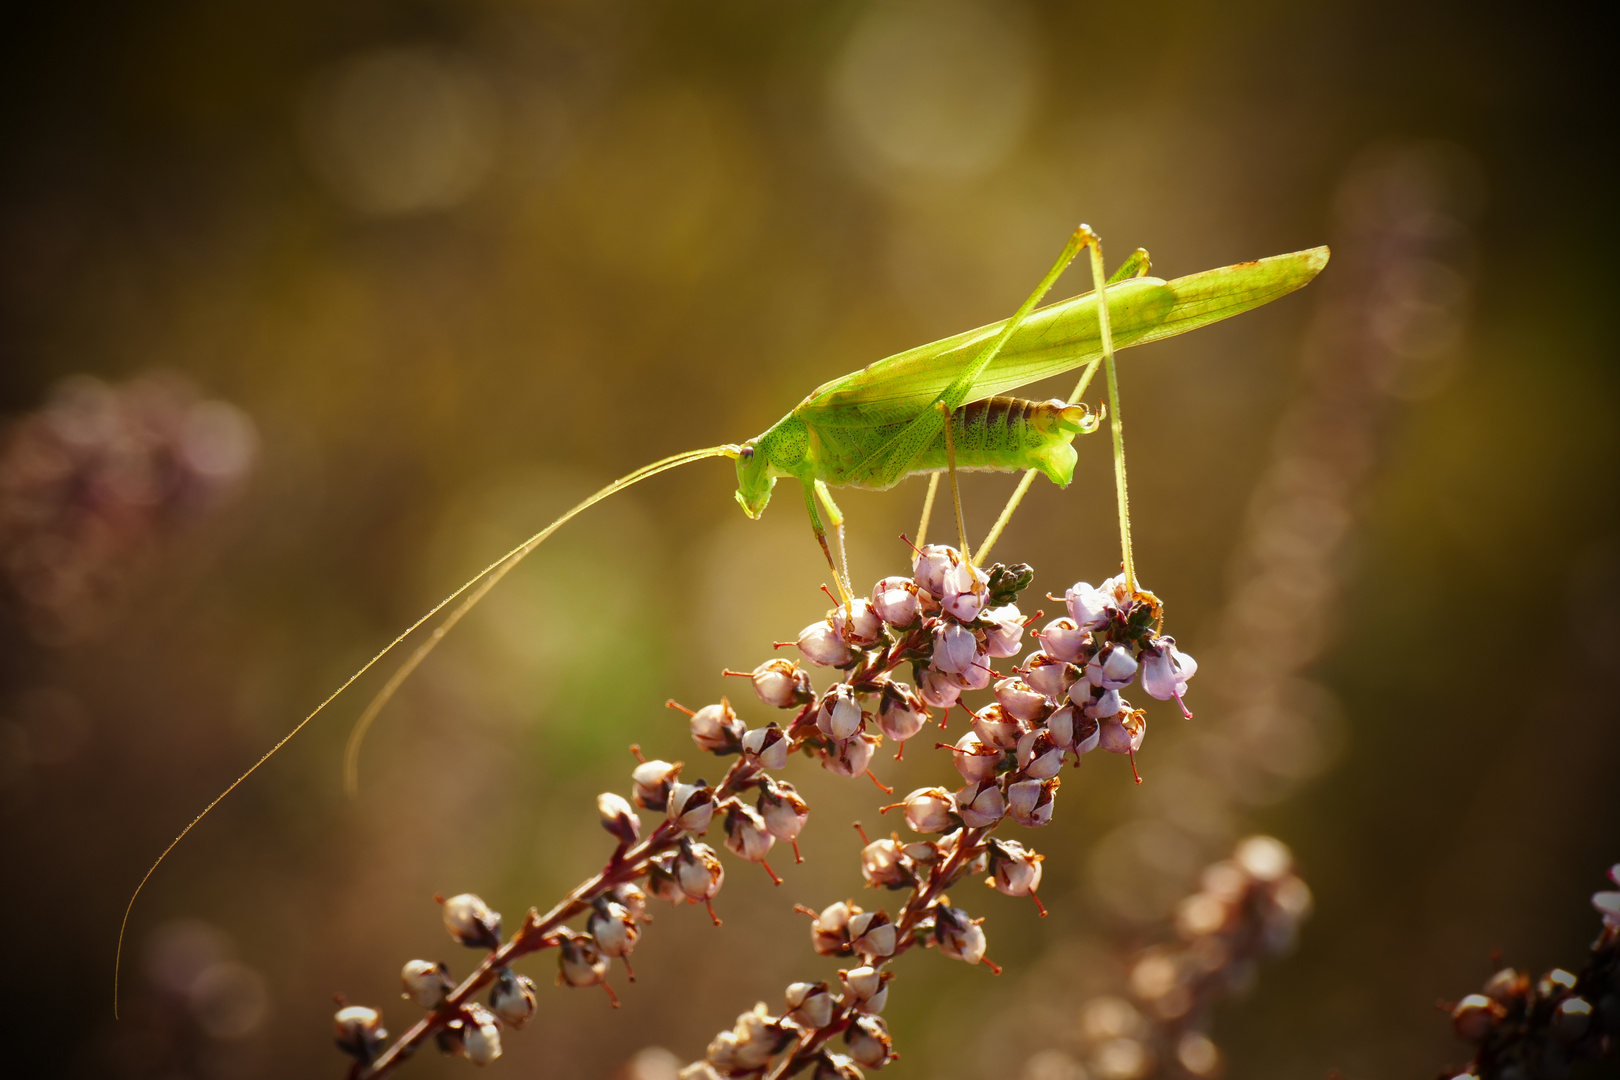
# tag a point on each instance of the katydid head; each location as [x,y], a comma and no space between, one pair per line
[779,451]
[754,479]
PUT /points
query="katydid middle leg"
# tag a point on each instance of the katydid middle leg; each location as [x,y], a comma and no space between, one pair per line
[821,535]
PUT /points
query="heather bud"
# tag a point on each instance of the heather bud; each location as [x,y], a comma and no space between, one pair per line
[937,689]
[782,810]
[966,590]
[1049,676]
[839,716]
[480,1035]
[471,922]
[579,962]
[1030,802]
[810,1005]
[958,936]
[931,567]
[653,781]
[512,998]
[929,810]
[358,1032]
[872,934]
[821,645]
[973,759]
[746,834]
[895,601]
[1089,608]
[980,805]
[1020,700]
[699,870]
[829,931]
[954,647]
[1112,668]
[425,982]
[858,623]
[1004,634]
[852,756]
[766,747]
[1062,639]
[885,866]
[781,683]
[612,927]
[1014,869]
[995,728]
[900,712]
[691,806]
[717,729]
[868,1041]
[1039,755]
[868,987]
[618,818]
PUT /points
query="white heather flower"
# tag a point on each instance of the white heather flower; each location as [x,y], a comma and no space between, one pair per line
[954,647]
[470,922]
[1062,639]
[578,960]
[928,810]
[699,870]
[1030,802]
[717,729]
[358,1031]
[653,780]
[973,759]
[966,589]
[425,982]
[781,683]
[931,566]
[1089,608]
[810,1005]
[1015,870]
[980,805]
[512,998]
[755,1039]
[852,756]
[995,728]
[829,931]
[1165,671]
[872,934]
[895,601]
[884,865]
[612,928]
[1039,756]
[839,716]
[1005,635]
[822,646]
[782,809]
[766,747]
[869,1042]
[1112,668]
[480,1035]
[629,896]
[937,689]
[900,712]
[867,986]
[691,806]
[1049,676]
[746,834]
[1020,700]
[661,880]
[618,818]
[958,936]
[858,623]
[831,1066]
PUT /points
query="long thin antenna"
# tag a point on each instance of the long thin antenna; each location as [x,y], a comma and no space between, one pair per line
[489,575]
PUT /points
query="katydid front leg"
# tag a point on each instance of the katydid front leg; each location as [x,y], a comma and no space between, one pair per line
[810,489]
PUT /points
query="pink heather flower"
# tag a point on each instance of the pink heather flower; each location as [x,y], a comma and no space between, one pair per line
[839,716]
[767,747]
[900,712]
[858,623]
[1066,641]
[612,928]
[852,756]
[1030,802]
[954,646]
[884,865]
[976,675]
[783,810]
[958,936]
[1112,668]
[1165,671]
[937,689]
[895,601]
[1089,608]
[618,818]
[780,683]
[653,781]
[1049,676]
[1015,870]
[746,834]
[1039,755]
[995,728]
[869,1042]
[931,566]
[691,806]
[1005,635]
[867,986]
[872,934]
[966,589]
[579,962]
[829,931]
[809,1005]
[980,805]
[822,646]
[1094,702]
[928,810]
[717,729]
[973,759]
[1608,906]
[470,922]
[1122,734]
[699,870]
[1020,700]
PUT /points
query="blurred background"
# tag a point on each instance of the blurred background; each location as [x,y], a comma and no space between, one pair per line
[309,310]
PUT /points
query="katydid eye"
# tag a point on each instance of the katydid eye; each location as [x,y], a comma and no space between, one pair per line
[748,453]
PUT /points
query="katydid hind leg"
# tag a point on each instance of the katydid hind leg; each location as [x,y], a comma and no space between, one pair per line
[836,516]
[956,490]
[928,508]
[821,536]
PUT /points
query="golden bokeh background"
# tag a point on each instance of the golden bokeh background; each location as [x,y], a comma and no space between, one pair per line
[386,285]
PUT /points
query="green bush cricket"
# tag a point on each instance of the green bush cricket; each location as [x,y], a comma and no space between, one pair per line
[932,408]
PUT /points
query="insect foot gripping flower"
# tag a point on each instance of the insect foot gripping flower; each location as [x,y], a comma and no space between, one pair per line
[471,922]
[358,1032]
[512,999]
[426,983]
[810,1005]
[618,818]
[868,1041]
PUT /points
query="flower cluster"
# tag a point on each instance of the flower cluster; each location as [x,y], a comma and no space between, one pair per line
[1526,1028]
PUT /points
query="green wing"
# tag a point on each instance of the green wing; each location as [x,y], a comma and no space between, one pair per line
[1057,338]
